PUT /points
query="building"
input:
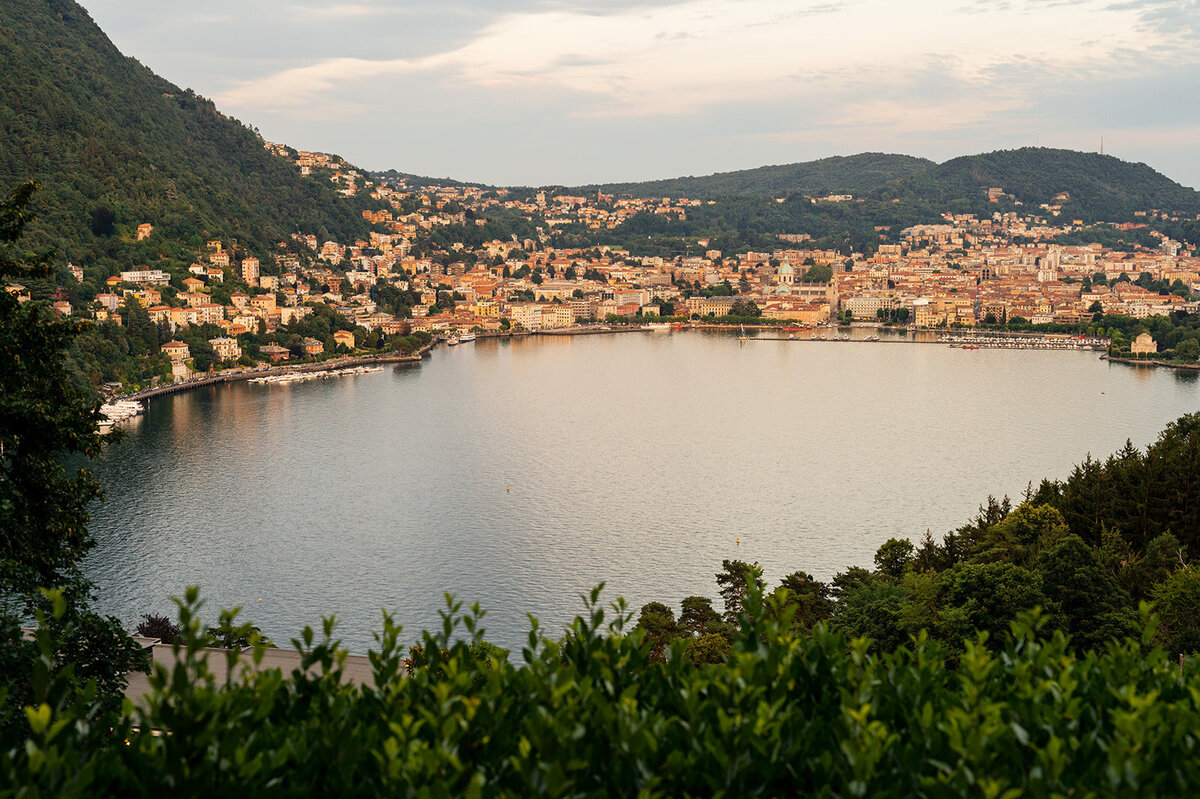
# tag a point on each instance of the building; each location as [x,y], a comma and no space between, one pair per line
[313,347]
[527,315]
[146,277]
[225,349]
[1144,344]
[275,353]
[345,338]
[176,351]
[709,306]
[250,270]
[557,316]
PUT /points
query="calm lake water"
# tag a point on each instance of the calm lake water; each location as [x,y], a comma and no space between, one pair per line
[519,474]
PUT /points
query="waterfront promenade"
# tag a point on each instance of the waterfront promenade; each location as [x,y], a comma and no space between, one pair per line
[1005,339]
[239,375]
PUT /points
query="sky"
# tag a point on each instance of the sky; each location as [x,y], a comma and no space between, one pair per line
[538,92]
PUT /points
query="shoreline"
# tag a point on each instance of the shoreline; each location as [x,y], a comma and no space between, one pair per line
[334,364]
[350,361]
[1187,367]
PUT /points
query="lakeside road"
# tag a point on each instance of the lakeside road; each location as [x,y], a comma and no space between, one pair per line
[246,374]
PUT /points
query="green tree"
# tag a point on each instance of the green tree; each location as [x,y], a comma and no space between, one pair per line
[1177,602]
[805,597]
[984,597]
[1082,599]
[697,615]
[46,417]
[657,622]
[735,579]
[893,556]
[1022,535]
[744,307]
[709,648]
[817,273]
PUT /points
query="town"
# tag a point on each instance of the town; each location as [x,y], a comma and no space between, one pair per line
[400,287]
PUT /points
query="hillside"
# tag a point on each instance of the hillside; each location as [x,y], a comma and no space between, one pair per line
[853,174]
[100,131]
[1100,187]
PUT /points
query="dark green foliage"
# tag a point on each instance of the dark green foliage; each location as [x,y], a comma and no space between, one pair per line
[697,616]
[1082,599]
[893,556]
[1021,536]
[657,621]
[161,627]
[984,597]
[807,601]
[228,635]
[115,145]
[854,174]
[744,307]
[871,608]
[1139,496]
[818,273]
[1177,601]
[45,417]
[1101,187]
[735,579]
[590,714]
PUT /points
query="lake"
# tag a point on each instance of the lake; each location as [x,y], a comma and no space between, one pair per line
[520,473]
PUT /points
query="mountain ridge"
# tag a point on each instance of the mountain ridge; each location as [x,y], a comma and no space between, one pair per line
[99,130]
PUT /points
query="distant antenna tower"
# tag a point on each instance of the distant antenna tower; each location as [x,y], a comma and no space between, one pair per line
[1101,145]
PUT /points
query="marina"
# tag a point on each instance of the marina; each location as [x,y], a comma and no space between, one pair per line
[119,411]
[974,342]
[304,377]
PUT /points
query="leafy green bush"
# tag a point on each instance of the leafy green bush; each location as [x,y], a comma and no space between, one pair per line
[590,714]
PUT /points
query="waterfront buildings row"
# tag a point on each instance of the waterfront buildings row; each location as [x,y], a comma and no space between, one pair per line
[962,271]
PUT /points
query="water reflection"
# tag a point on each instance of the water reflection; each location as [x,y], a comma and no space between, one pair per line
[521,472]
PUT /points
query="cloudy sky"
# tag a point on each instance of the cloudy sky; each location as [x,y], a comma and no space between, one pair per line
[574,91]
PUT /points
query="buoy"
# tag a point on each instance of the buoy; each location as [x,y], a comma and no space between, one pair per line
[739,543]
[507,489]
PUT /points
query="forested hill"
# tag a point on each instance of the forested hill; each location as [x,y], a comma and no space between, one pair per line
[1089,186]
[853,174]
[101,131]
[1099,187]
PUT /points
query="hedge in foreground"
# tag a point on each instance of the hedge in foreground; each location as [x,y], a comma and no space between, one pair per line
[588,714]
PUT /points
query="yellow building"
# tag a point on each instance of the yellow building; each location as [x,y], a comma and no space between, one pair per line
[1144,345]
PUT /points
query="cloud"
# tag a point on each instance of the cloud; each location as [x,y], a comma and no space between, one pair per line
[689,56]
[344,12]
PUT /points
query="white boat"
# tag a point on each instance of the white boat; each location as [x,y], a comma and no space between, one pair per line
[465,337]
[659,327]
[119,411]
[452,340]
